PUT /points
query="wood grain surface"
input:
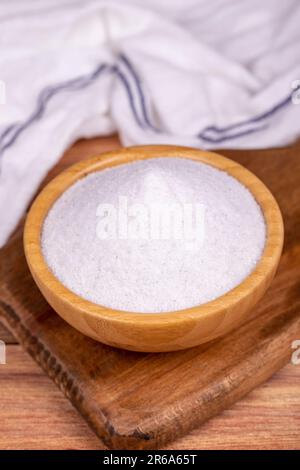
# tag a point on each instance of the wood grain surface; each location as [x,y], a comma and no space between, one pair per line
[34,414]
[6,335]
[193,379]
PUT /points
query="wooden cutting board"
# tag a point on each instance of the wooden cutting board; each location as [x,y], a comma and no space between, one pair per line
[135,400]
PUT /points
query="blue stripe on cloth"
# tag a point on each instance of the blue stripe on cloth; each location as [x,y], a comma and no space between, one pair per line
[214,129]
[7,132]
[128,90]
[218,140]
[253,120]
[138,84]
[9,136]
[43,99]
[13,131]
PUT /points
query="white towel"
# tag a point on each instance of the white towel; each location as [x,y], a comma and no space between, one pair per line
[202,73]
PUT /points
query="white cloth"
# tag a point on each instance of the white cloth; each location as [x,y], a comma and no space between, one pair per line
[201,73]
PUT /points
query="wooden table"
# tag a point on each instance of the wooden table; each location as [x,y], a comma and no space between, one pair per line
[34,414]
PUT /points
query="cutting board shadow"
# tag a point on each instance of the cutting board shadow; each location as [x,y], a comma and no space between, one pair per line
[134,400]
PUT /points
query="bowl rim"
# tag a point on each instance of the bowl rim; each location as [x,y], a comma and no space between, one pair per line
[53,190]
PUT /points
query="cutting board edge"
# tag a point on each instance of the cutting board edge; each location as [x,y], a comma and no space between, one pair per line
[104,429]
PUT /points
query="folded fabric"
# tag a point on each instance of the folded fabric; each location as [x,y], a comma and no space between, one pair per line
[205,74]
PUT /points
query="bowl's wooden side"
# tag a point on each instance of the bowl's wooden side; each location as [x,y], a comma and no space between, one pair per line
[164,331]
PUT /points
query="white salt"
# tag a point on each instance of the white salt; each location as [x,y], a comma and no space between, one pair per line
[146,274]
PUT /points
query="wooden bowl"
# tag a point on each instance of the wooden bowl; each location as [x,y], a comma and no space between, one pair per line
[158,331]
